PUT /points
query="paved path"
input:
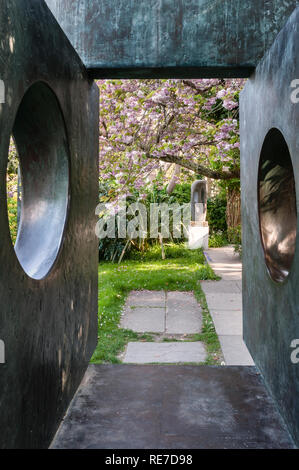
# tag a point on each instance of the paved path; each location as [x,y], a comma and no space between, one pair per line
[224,299]
[171,316]
[225,263]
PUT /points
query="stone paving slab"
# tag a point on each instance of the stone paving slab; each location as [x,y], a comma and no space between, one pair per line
[142,298]
[225,262]
[146,353]
[221,301]
[235,351]
[182,297]
[223,287]
[228,322]
[183,313]
[180,312]
[144,319]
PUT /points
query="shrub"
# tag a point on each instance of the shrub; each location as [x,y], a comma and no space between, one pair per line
[12,207]
[235,237]
[111,249]
[180,195]
[218,239]
[216,214]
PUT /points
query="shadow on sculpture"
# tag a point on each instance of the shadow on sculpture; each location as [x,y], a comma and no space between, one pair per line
[277,205]
[48,281]
[270,177]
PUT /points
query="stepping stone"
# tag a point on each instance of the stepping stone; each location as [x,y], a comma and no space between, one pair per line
[183,313]
[146,353]
[144,319]
[157,312]
[146,298]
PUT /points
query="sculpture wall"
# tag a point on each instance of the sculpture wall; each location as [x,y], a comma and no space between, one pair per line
[48,283]
[269,125]
[162,39]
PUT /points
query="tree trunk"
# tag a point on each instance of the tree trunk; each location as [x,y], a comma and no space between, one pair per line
[233,210]
[174,179]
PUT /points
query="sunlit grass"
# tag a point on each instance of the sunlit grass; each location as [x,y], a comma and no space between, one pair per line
[182,271]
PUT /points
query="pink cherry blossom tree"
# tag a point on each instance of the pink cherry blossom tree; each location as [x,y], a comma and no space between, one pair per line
[148,125]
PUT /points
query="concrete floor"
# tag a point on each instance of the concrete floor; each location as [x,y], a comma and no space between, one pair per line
[172,407]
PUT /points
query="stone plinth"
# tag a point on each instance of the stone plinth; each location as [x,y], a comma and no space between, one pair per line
[198,236]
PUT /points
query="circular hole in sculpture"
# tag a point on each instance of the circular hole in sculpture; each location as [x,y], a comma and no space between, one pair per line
[277,205]
[38,181]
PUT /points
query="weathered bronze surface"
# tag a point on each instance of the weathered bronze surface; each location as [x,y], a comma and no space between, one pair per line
[186,407]
[269,121]
[48,315]
[171,38]
[49,326]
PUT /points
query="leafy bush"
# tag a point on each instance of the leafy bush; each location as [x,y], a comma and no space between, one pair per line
[216,214]
[12,207]
[110,249]
[218,239]
[180,195]
[235,236]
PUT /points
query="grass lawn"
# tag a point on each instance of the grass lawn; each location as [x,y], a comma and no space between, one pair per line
[181,270]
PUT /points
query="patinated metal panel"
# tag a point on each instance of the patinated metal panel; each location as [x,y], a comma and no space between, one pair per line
[186,407]
[270,116]
[48,324]
[167,38]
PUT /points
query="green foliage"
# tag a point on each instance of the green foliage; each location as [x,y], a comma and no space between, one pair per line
[235,237]
[182,273]
[180,195]
[110,249]
[13,159]
[172,251]
[12,207]
[216,214]
[218,239]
